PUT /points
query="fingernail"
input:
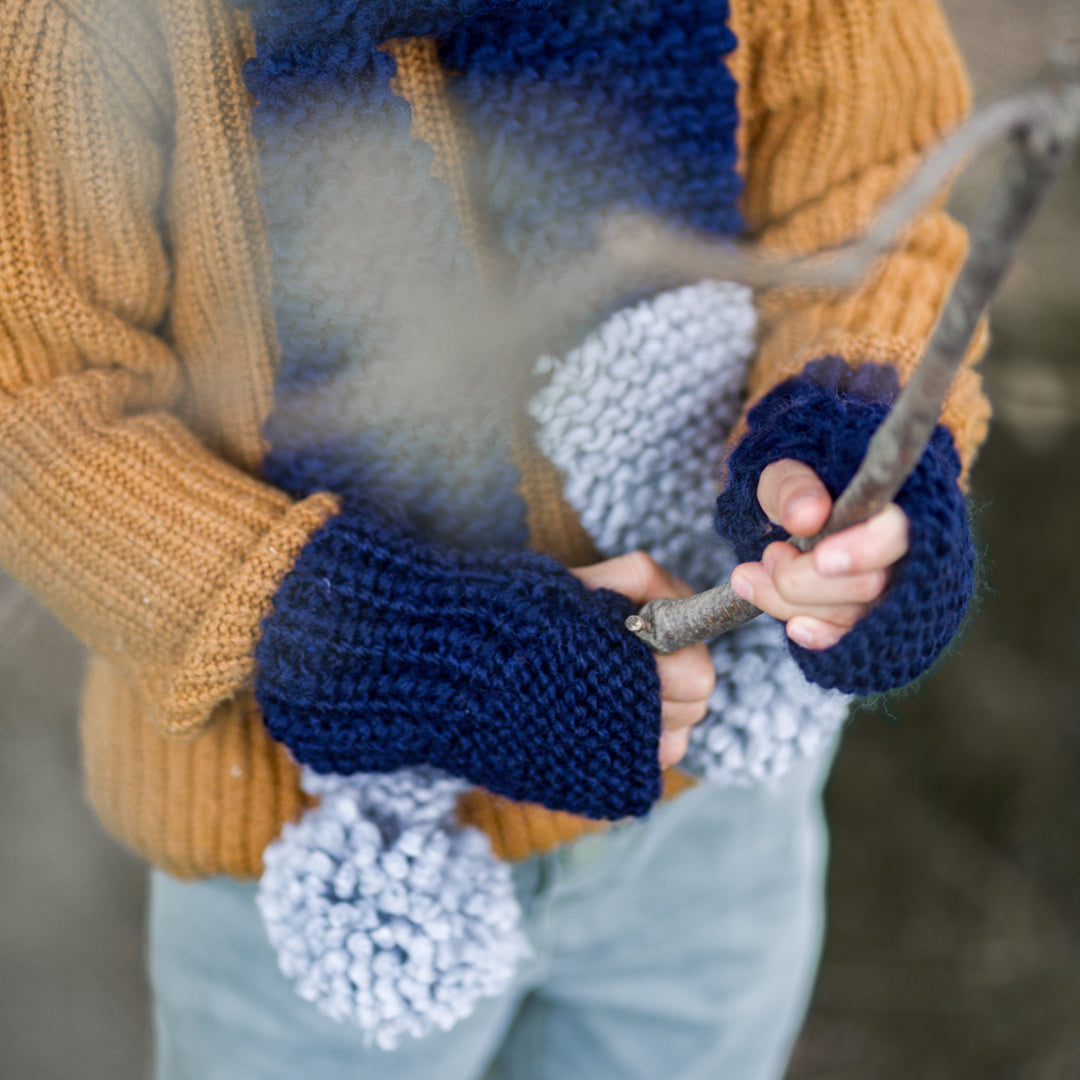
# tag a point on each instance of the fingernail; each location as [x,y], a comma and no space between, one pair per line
[741,584]
[833,560]
[798,500]
[795,504]
[800,633]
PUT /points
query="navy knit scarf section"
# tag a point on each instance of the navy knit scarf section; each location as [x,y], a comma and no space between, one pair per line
[588,106]
[581,107]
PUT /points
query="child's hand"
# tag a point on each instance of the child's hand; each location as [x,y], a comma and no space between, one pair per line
[687,677]
[822,594]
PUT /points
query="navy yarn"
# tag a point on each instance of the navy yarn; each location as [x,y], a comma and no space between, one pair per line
[825,419]
[582,106]
[588,106]
[385,651]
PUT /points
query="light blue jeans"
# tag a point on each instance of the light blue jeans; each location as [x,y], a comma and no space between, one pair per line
[681,947]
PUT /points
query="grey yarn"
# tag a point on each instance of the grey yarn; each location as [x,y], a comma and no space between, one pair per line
[636,418]
[385,911]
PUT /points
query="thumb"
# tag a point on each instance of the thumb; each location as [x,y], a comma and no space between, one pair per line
[792,495]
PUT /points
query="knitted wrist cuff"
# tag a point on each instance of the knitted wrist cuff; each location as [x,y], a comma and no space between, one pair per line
[825,418]
[384,650]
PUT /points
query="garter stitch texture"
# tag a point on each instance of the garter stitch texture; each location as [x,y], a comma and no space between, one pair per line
[586,107]
[384,651]
[825,419]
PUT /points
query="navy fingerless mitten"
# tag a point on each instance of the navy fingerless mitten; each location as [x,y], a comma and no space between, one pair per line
[385,650]
[825,419]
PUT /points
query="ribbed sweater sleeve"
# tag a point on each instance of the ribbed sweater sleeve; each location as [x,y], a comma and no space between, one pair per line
[838,99]
[160,554]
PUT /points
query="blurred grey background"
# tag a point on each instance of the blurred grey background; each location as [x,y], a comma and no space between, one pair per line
[954,941]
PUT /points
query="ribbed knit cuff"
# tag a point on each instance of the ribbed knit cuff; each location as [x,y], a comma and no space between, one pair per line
[384,650]
[825,419]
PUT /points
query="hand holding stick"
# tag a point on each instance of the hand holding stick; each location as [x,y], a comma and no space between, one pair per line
[1045,126]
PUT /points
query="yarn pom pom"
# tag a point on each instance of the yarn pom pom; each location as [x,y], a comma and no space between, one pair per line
[763,714]
[386,912]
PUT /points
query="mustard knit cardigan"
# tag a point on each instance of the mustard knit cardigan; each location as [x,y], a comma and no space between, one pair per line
[137,357]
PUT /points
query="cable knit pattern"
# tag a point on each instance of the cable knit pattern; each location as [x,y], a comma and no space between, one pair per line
[587,107]
[636,419]
[825,419]
[384,650]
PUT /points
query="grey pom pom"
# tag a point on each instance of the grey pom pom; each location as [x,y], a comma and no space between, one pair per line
[763,714]
[384,911]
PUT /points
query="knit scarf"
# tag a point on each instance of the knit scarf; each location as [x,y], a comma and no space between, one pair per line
[580,107]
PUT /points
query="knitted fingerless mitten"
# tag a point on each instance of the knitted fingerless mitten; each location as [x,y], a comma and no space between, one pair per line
[384,650]
[825,418]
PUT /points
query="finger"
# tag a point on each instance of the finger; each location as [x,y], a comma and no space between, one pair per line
[778,556]
[677,715]
[874,545]
[753,583]
[673,747]
[687,675]
[815,633]
[801,584]
[636,575]
[792,495]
